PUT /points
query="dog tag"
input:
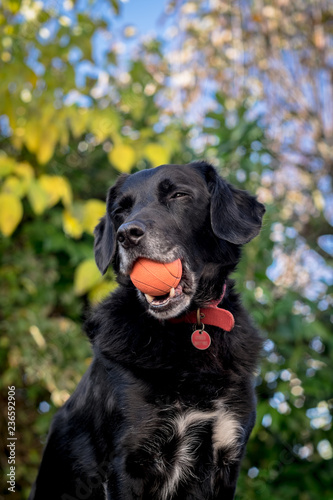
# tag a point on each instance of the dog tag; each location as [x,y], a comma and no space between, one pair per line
[201,339]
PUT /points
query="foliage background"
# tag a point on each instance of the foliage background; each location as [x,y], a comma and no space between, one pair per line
[247,85]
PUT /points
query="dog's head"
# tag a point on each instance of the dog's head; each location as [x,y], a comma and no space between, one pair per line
[177,211]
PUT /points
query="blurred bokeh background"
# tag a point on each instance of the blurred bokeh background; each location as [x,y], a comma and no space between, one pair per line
[93,88]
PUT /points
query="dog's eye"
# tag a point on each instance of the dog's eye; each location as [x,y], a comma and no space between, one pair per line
[117,211]
[179,194]
[124,205]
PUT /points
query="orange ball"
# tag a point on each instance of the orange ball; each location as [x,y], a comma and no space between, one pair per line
[156,278]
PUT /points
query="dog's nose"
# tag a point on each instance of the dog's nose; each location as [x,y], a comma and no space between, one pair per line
[130,233]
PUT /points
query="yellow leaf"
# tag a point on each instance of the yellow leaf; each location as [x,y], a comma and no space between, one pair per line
[319,200]
[33,78]
[103,124]
[101,291]
[9,30]
[122,157]
[49,183]
[24,170]
[64,136]
[8,107]
[15,186]
[66,192]
[37,197]
[37,336]
[32,135]
[26,174]
[48,141]
[59,397]
[13,6]
[88,361]
[11,213]
[16,139]
[92,212]
[72,225]
[57,188]
[78,121]
[41,138]
[156,154]
[19,184]
[86,276]
[7,165]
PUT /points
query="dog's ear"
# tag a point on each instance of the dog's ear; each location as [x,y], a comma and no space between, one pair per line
[105,243]
[236,216]
[105,234]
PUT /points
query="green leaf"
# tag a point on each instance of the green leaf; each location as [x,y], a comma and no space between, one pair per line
[115,6]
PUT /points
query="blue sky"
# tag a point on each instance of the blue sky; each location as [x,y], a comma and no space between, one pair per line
[144,14]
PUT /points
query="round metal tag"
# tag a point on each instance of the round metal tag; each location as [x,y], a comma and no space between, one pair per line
[201,339]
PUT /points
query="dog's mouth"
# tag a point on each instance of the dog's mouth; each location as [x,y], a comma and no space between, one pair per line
[162,300]
[176,301]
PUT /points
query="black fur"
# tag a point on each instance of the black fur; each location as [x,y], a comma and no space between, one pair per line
[153,417]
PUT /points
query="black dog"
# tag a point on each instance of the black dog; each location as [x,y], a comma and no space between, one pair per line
[155,417]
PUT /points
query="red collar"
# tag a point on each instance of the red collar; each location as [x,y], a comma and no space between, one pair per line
[210,315]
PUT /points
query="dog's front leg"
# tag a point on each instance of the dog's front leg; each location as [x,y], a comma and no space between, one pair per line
[62,477]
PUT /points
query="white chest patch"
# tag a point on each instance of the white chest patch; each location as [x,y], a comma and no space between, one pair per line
[186,427]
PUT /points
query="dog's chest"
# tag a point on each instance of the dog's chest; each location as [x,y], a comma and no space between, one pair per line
[177,445]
